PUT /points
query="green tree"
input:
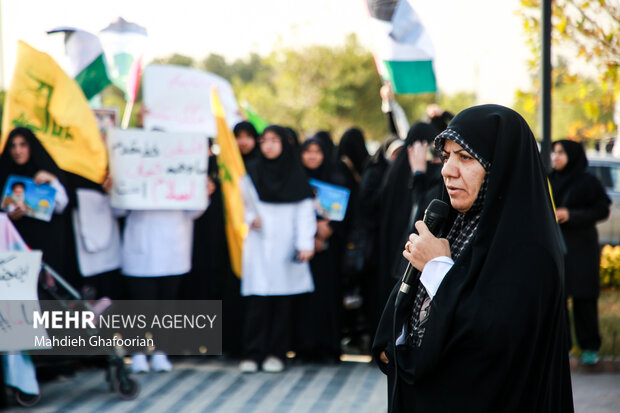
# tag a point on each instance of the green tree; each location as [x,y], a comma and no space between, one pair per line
[176,59]
[318,87]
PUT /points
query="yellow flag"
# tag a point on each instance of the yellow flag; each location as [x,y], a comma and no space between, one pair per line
[232,171]
[45,99]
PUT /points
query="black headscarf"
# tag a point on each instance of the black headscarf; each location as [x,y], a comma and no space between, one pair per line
[328,144]
[379,156]
[293,136]
[323,172]
[283,179]
[440,123]
[248,128]
[495,339]
[39,160]
[353,146]
[577,164]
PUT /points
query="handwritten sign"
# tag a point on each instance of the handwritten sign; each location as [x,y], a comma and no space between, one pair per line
[177,99]
[19,275]
[156,170]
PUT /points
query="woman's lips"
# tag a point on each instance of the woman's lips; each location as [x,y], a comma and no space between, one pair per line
[453,190]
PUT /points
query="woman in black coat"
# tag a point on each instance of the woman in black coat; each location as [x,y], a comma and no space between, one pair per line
[581,201]
[483,327]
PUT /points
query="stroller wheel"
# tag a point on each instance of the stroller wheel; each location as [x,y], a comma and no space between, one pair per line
[127,388]
[25,399]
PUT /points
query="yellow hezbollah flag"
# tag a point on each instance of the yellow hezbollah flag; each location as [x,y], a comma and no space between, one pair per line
[232,171]
[43,98]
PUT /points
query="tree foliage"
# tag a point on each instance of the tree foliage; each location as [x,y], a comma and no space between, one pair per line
[586,33]
[317,87]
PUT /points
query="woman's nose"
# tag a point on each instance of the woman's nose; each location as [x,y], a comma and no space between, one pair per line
[449,169]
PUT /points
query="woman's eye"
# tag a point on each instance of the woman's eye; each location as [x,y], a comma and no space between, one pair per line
[466,157]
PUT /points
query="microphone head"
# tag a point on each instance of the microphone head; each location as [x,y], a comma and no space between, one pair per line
[435,215]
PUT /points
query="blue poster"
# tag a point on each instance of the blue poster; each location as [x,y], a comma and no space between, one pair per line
[37,201]
[331,200]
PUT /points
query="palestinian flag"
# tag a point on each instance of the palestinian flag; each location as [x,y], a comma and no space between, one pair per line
[124,45]
[404,51]
[86,60]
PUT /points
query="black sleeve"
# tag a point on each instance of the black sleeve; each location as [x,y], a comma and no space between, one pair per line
[499,332]
[384,337]
[391,123]
[595,205]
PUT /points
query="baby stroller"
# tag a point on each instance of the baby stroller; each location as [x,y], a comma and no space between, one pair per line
[52,286]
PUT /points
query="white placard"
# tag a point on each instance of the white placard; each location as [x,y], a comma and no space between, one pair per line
[157,170]
[19,275]
[178,99]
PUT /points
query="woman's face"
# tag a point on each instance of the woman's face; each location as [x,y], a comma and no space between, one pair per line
[20,150]
[271,145]
[312,156]
[462,175]
[559,158]
[245,142]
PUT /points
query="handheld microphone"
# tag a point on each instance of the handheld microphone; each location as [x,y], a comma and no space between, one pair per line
[434,217]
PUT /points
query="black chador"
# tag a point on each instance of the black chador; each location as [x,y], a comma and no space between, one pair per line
[494,338]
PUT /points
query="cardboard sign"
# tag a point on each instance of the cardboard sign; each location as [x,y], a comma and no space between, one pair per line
[19,275]
[177,99]
[156,170]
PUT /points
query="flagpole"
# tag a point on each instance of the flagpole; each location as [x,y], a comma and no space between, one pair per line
[127,114]
[2,61]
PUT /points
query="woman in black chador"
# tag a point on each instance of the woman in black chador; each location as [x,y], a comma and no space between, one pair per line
[24,155]
[581,201]
[317,315]
[484,329]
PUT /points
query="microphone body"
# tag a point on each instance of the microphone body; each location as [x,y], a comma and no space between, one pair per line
[434,217]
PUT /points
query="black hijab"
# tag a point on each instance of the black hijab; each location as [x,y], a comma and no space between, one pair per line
[379,156]
[353,146]
[495,338]
[577,164]
[323,172]
[248,128]
[293,137]
[39,160]
[283,179]
[328,144]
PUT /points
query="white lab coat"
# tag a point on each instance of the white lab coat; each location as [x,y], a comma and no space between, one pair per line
[268,254]
[157,243]
[97,233]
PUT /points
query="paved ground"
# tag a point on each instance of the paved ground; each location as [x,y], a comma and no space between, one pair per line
[217,387]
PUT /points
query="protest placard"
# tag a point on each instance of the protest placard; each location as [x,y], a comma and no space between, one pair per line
[177,99]
[37,201]
[19,274]
[331,200]
[157,170]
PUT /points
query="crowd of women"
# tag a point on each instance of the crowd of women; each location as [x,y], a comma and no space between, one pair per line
[307,282]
